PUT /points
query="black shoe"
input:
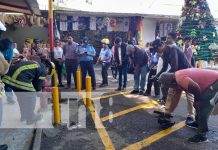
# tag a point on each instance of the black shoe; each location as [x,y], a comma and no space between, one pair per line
[118,89]
[34,120]
[146,94]
[67,87]
[156,96]
[103,85]
[3,147]
[198,139]
[134,92]
[60,85]
[93,88]
[141,92]
[123,89]
[193,125]
[189,120]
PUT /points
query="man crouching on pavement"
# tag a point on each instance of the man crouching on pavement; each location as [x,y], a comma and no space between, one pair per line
[26,78]
[203,84]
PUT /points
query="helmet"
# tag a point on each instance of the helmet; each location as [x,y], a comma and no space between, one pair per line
[105,41]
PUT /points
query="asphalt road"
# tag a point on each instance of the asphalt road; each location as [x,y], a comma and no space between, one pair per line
[133,125]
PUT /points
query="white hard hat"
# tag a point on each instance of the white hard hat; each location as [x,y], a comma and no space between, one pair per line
[2,27]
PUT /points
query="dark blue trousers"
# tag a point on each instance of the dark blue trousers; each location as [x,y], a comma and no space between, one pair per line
[87,66]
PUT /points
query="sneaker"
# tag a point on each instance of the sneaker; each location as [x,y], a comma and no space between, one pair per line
[141,92]
[189,120]
[118,89]
[34,120]
[193,125]
[134,92]
[123,89]
[3,147]
[198,139]
[146,94]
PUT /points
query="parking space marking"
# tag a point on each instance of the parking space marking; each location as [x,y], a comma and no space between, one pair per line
[109,95]
[110,88]
[100,128]
[143,106]
[155,137]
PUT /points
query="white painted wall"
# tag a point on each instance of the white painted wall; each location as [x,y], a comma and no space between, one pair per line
[148,30]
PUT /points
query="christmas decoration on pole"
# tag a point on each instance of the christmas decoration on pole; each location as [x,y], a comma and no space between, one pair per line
[197,22]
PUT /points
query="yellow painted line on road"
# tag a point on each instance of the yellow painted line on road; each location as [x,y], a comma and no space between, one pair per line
[143,106]
[110,88]
[109,95]
[101,129]
[155,137]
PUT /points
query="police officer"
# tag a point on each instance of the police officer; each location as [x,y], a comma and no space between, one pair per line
[25,77]
[86,55]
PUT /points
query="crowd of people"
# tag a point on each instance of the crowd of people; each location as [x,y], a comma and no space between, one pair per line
[169,67]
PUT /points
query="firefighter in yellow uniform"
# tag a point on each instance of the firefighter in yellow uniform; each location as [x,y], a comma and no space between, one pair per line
[26,78]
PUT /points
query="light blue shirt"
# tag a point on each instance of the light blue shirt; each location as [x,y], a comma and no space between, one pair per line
[106,54]
[89,49]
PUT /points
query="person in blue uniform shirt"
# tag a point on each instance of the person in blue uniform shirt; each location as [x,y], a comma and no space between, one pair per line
[86,56]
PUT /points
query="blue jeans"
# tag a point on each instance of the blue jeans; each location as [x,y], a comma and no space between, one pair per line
[122,76]
[140,78]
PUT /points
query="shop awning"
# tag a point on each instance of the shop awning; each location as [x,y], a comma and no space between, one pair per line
[20,6]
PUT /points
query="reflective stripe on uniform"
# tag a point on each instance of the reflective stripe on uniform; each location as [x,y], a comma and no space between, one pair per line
[26,67]
[42,78]
[18,84]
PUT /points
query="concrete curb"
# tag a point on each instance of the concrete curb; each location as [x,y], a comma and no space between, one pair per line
[37,139]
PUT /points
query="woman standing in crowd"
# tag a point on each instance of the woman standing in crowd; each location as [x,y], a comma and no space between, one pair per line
[105,58]
[58,56]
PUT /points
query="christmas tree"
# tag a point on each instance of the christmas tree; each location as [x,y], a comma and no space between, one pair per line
[197,21]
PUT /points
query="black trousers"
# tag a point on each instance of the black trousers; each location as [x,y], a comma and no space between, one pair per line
[87,66]
[71,67]
[205,108]
[59,67]
[150,83]
[104,72]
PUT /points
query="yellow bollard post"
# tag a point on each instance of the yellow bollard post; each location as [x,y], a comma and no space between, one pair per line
[78,79]
[200,64]
[88,91]
[55,97]
[55,79]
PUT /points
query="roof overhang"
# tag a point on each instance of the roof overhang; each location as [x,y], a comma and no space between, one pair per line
[20,6]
